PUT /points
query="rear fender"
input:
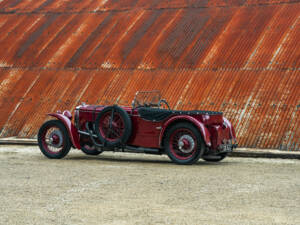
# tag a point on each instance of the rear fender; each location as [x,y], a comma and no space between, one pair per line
[203,130]
[73,133]
[232,131]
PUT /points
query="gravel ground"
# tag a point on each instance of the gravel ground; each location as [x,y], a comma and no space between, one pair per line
[122,188]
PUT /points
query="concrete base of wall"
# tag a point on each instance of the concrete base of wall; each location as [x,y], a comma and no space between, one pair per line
[18,141]
[265,153]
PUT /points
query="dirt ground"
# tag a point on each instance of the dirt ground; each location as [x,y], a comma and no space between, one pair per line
[123,188]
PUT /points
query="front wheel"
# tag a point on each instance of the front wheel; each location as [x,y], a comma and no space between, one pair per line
[53,139]
[183,143]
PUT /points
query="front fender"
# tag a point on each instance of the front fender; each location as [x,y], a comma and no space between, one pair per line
[73,133]
[203,130]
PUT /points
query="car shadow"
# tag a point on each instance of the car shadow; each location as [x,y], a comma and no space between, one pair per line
[118,159]
[140,159]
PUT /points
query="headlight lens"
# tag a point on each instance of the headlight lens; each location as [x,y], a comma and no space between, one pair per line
[67,114]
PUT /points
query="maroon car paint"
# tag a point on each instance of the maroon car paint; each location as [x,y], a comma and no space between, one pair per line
[150,134]
[145,133]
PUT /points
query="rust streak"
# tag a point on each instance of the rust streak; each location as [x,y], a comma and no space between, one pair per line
[17,106]
[36,35]
[146,66]
[139,15]
[85,44]
[286,36]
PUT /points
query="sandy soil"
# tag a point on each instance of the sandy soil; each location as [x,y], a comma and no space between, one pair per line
[119,188]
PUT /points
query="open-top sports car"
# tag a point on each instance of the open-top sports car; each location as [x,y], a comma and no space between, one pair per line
[148,126]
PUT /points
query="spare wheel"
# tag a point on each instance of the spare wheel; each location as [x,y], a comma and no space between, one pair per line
[113,126]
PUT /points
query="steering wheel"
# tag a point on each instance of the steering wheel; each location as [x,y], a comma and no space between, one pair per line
[163,101]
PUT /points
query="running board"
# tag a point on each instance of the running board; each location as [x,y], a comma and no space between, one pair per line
[142,150]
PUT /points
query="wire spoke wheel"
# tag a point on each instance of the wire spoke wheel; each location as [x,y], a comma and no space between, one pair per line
[53,139]
[113,126]
[183,143]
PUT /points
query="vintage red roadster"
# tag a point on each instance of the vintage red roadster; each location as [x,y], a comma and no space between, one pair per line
[148,126]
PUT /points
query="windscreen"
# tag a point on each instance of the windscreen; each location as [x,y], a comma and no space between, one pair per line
[146,98]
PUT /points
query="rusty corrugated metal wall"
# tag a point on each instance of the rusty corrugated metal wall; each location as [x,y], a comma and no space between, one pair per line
[238,56]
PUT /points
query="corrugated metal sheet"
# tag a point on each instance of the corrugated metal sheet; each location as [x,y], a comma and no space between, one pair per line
[239,56]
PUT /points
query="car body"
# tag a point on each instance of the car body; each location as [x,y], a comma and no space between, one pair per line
[148,126]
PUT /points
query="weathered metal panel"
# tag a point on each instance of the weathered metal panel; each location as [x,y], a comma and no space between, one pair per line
[10,90]
[239,56]
[17,40]
[56,53]
[108,47]
[264,52]
[18,117]
[72,95]
[48,97]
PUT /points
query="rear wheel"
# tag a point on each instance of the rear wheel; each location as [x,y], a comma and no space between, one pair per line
[113,126]
[183,143]
[53,139]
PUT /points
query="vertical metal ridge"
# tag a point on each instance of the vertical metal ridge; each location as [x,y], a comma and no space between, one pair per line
[90,38]
[150,56]
[292,114]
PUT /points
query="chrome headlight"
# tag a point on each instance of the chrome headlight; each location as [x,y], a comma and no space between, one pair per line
[67,114]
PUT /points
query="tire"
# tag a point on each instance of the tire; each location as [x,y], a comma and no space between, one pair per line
[89,149]
[215,158]
[53,139]
[183,143]
[113,126]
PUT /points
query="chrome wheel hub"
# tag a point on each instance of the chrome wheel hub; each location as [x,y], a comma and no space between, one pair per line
[55,139]
[186,143]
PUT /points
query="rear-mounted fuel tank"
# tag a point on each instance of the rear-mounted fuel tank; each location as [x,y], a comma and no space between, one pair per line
[212,119]
[206,117]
